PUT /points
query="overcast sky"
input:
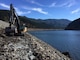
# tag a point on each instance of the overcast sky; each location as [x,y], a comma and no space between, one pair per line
[45,9]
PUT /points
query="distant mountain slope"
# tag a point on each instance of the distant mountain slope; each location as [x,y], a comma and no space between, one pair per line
[37,23]
[33,23]
[58,23]
[4,15]
[74,25]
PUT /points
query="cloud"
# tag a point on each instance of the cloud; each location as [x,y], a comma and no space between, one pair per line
[75,11]
[40,10]
[71,3]
[63,4]
[52,5]
[34,2]
[21,12]
[68,3]
[17,10]
[58,5]
[4,5]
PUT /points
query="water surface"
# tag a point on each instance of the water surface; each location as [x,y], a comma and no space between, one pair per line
[62,40]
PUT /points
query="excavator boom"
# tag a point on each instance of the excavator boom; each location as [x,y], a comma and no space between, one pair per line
[14,23]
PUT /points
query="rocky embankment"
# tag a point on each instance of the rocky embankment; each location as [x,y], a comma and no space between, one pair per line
[3,24]
[27,47]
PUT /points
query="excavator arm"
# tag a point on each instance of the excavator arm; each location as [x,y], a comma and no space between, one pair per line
[14,24]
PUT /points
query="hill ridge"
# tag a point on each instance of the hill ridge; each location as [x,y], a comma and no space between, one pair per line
[37,23]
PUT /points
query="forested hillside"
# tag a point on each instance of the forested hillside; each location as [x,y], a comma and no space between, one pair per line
[37,23]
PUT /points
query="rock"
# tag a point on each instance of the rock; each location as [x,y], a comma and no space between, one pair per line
[3,24]
[27,47]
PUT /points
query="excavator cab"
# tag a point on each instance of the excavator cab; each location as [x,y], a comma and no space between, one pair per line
[15,28]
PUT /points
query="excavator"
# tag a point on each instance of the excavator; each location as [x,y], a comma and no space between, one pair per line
[15,28]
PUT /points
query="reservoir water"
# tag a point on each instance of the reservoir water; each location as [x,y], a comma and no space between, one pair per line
[64,41]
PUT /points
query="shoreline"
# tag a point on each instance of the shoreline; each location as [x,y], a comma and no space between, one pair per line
[38,29]
[47,50]
[27,47]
